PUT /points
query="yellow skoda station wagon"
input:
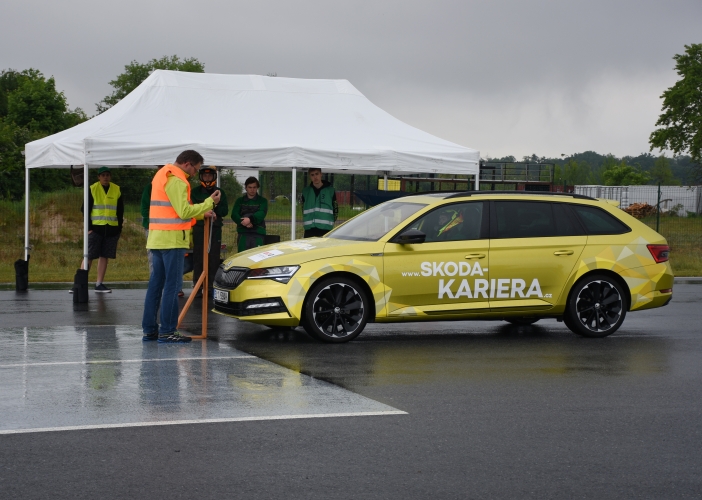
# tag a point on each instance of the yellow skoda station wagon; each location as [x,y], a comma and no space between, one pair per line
[517,257]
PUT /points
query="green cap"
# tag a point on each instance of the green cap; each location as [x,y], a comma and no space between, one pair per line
[102,170]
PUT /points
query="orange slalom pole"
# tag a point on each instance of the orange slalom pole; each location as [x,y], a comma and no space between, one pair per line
[205,281]
[189,301]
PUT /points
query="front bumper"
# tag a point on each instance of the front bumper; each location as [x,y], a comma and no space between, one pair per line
[253,301]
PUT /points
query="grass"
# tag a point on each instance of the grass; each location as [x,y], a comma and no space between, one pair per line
[56,227]
[684,235]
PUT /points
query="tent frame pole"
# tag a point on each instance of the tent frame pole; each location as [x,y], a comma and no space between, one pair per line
[86,213]
[293,201]
[26,213]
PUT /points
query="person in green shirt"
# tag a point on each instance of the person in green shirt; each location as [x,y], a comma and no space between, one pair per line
[208,184]
[249,213]
[319,207]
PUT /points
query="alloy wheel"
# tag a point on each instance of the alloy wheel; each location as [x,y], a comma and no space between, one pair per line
[338,311]
[599,306]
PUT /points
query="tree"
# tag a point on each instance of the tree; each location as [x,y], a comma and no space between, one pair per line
[623,175]
[36,105]
[30,108]
[135,73]
[661,173]
[681,121]
[572,173]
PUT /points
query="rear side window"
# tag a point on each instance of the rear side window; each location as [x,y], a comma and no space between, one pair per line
[523,219]
[597,221]
[566,223]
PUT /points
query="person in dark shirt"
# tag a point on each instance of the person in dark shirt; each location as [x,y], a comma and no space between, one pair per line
[104,224]
[208,185]
[249,214]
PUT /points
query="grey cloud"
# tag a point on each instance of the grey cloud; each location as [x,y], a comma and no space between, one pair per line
[514,77]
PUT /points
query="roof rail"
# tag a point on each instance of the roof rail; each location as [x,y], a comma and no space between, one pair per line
[523,193]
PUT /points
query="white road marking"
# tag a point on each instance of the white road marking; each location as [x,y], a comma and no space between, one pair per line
[204,421]
[109,361]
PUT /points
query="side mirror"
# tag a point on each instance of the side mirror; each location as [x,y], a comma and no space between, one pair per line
[410,236]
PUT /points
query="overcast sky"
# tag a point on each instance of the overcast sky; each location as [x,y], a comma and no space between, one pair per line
[501,76]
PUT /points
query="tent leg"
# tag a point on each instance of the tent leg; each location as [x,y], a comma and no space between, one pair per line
[22,266]
[86,214]
[26,214]
[477,181]
[80,280]
[293,201]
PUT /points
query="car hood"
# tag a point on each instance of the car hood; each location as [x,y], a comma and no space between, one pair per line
[289,253]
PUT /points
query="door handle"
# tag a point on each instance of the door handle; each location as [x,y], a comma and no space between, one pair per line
[563,252]
[475,256]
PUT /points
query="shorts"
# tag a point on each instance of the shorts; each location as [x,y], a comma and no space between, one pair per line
[100,245]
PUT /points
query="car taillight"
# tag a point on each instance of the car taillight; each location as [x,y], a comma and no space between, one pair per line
[659,252]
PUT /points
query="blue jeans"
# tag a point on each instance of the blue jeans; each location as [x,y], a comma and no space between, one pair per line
[165,282]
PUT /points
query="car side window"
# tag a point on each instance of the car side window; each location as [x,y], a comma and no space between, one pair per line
[523,219]
[597,221]
[566,222]
[455,222]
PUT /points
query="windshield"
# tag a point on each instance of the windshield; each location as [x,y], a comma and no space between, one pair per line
[375,223]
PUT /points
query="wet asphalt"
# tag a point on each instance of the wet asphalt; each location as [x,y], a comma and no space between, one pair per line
[460,410]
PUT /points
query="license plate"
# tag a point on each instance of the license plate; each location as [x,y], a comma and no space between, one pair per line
[221,296]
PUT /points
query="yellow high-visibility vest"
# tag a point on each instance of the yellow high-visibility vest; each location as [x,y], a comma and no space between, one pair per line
[104,212]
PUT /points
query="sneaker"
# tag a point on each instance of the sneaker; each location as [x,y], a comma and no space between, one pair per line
[173,338]
[181,294]
[70,291]
[101,288]
[149,336]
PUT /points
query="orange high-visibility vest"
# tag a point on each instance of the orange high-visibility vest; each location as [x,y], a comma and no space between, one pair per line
[162,215]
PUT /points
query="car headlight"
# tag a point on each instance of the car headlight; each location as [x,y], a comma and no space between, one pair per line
[281,274]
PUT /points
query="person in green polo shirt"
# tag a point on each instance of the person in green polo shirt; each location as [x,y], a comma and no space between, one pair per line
[249,213]
[106,209]
[319,207]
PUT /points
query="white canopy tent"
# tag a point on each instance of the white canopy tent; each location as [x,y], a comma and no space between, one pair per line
[251,121]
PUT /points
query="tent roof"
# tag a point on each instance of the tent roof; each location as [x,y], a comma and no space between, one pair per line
[251,121]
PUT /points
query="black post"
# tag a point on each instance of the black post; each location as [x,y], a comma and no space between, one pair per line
[22,275]
[353,186]
[658,209]
[80,287]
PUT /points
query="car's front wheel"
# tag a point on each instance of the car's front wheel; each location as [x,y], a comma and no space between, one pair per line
[597,307]
[336,310]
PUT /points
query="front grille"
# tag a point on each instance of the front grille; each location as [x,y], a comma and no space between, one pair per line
[243,309]
[230,278]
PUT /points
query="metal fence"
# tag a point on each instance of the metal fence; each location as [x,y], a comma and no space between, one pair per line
[56,231]
[56,225]
[673,211]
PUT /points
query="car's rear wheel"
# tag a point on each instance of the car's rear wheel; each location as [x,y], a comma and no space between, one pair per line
[597,307]
[336,310]
[522,321]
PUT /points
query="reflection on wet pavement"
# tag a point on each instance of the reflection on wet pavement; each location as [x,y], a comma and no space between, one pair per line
[431,353]
[105,376]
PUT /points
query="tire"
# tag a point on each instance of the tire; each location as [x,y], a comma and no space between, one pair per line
[522,321]
[336,310]
[596,307]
